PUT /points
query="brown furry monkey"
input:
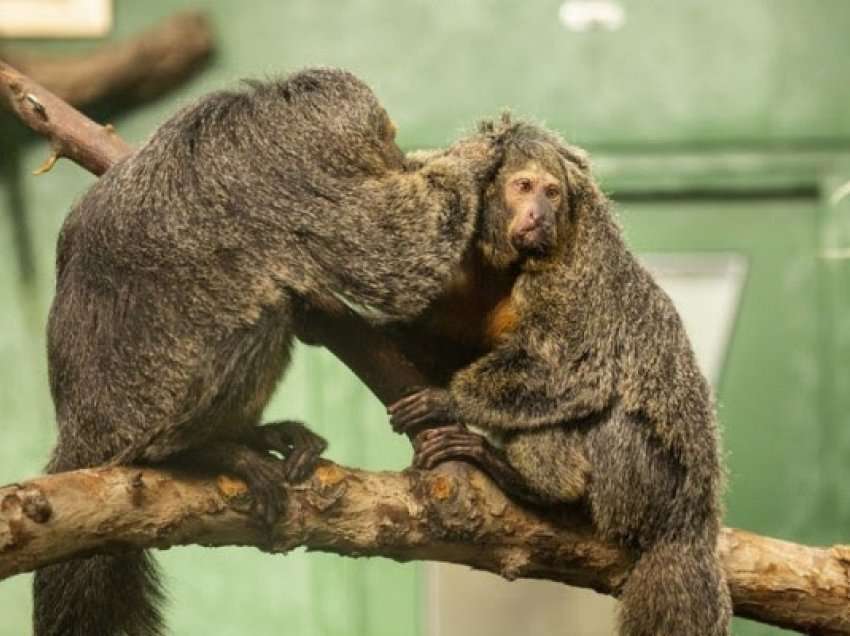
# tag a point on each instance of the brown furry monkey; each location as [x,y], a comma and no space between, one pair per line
[588,380]
[178,277]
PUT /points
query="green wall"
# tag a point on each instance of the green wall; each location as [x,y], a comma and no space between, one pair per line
[721,125]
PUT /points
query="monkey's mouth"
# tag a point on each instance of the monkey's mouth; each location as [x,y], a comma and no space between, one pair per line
[535,241]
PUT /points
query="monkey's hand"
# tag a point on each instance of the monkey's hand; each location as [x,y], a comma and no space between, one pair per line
[434,446]
[457,443]
[419,409]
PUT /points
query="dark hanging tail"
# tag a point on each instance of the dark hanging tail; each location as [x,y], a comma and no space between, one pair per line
[676,589]
[105,595]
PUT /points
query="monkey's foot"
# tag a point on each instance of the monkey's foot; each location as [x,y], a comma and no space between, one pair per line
[262,472]
[434,446]
[301,448]
[419,409]
[437,445]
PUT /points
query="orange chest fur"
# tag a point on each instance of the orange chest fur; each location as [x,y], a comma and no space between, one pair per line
[478,311]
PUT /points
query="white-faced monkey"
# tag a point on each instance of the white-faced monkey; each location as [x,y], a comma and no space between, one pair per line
[588,379]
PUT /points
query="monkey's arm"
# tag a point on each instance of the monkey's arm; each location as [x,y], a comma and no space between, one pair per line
[528,382]
[408,232]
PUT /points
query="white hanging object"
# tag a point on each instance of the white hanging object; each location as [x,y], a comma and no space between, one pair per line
[588,15]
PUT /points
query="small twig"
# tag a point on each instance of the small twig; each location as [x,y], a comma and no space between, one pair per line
[47,165]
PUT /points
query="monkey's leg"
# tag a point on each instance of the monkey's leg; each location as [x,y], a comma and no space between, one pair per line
[455,442]
[300,446]
[262,472]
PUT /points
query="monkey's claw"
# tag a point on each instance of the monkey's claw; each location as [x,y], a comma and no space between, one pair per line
[421,408]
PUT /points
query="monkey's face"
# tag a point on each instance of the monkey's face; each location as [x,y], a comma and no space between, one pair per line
[526,214]
[533,197]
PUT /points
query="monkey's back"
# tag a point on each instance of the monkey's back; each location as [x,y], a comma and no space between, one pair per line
[174,273]
[653,441]
[176,270]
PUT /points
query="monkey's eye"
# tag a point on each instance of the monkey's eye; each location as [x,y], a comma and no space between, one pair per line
[523,185]
[553,192]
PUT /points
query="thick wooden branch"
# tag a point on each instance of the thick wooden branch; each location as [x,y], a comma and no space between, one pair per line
[453,514]
[136,69]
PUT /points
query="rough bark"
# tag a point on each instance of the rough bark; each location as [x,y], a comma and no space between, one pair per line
[452,514]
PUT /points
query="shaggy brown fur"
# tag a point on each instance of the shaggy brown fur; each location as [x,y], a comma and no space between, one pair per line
[596,395]
[178,276]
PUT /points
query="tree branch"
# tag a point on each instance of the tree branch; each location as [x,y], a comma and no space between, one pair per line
[452,514]
[136,69]
[70,133]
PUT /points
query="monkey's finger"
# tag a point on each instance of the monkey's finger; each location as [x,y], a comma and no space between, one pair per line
[411,425]
[446,439]
[405,401]
[421,396]
[412,413]
[402,422]
[436,431]
[450,442]
[454,452]
[301,463]
[424,436]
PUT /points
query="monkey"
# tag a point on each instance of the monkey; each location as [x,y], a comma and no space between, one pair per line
[587,387]
[180,274]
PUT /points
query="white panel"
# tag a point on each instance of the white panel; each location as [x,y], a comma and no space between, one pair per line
[706,290]
[55,18]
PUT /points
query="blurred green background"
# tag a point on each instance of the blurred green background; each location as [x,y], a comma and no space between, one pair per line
[721,128]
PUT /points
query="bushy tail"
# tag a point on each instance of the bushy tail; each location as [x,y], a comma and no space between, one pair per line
[676,589]
[105,595]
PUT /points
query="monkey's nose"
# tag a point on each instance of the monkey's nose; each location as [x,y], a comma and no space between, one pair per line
[531,222]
